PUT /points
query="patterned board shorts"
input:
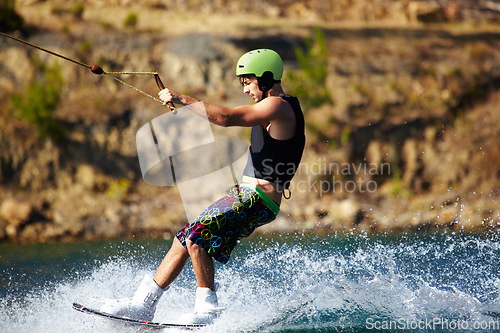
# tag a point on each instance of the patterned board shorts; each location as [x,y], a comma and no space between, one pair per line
[229,219]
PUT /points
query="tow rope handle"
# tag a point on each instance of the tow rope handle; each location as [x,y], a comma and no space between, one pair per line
[161,86]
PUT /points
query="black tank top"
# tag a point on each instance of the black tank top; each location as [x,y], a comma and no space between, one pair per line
[277,160]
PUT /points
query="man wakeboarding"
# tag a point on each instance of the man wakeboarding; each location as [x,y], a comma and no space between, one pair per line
[277,142]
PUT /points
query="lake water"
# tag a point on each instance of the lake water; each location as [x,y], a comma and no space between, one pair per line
[331,283]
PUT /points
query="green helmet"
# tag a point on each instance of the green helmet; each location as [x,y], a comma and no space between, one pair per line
[258,62]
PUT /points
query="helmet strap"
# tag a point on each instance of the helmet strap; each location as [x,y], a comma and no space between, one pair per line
[266,81]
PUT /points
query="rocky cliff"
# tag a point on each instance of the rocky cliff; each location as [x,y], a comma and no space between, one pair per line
[402,137]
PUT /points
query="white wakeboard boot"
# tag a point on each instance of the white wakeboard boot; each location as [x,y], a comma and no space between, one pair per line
[141,306]
[206,308]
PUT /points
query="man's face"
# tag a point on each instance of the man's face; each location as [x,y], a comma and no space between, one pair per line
[251,87]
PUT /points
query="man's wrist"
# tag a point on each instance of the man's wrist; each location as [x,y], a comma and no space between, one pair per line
[186,100]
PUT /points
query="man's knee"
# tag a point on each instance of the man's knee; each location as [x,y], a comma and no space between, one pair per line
[195,250]
[192,247]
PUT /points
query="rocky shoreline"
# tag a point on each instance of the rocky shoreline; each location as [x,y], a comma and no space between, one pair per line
[405,141]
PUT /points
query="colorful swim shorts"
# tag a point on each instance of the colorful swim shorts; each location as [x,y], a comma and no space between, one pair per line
[229,219]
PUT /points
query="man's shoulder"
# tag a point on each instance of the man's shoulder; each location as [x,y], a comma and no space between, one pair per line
[280,109]
[278,102]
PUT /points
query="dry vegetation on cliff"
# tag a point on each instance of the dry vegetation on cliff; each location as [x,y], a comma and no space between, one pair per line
[400,100]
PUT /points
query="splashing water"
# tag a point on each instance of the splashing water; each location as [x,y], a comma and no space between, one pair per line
[342,283]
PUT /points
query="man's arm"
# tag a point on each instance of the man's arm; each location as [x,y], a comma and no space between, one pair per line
[262,112]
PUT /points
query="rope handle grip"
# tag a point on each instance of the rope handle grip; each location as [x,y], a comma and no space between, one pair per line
[161,86]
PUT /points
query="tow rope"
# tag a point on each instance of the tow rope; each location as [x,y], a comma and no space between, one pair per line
[99,71]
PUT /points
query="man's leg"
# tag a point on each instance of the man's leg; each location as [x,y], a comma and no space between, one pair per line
[172,264]
[206,306]
[143,304]
[203,265]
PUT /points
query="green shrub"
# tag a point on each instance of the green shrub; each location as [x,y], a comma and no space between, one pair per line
[131,20]
[118,188]
[39,101]
[396,186]
[84,50]
[309,82]
[77,10]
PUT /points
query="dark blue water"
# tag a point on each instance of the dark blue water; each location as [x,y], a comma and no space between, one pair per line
[335,283]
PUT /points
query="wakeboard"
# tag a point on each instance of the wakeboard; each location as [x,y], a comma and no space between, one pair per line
[492,310]
[136,322]
[494,314]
